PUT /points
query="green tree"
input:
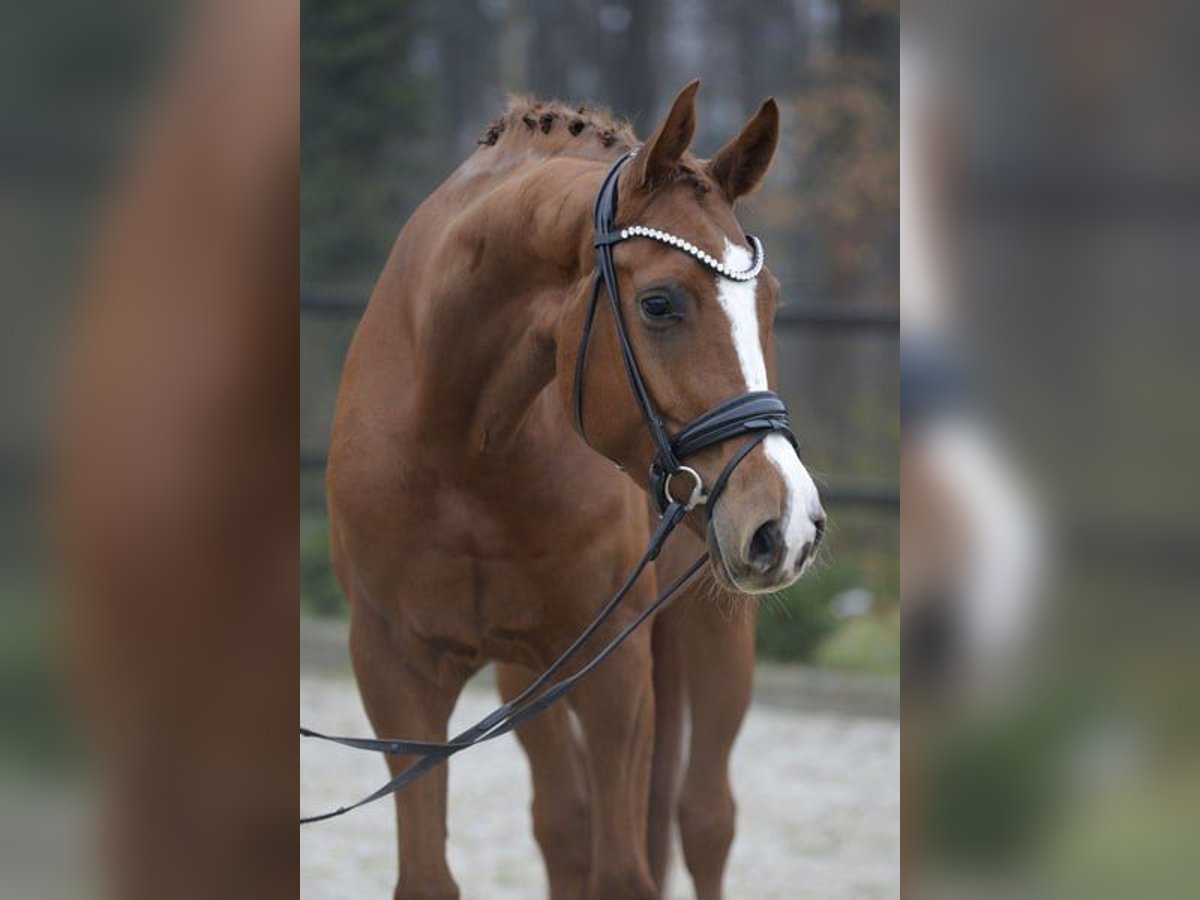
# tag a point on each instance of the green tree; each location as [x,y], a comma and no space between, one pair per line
[358,95]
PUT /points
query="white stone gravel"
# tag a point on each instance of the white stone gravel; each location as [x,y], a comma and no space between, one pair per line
[818,799]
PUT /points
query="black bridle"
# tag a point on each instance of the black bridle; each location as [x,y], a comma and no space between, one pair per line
[757,414]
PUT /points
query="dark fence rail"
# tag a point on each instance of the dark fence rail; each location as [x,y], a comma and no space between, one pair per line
[847,317]
[872,496]
[855,316]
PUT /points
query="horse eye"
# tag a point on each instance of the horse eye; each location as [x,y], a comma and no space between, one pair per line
[657,307]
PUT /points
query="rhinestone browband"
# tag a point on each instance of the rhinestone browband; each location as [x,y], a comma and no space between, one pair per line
[707,258]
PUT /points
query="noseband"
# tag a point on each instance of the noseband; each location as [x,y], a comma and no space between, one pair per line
[756,414]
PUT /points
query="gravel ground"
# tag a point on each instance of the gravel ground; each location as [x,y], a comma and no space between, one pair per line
[818,798]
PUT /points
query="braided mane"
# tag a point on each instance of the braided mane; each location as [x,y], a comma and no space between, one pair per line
[530,117]
[587,129]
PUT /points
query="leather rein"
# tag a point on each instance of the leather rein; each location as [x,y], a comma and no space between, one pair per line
[757,414]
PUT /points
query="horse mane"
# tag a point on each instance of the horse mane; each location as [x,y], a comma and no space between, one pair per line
[559,128]
[528,118]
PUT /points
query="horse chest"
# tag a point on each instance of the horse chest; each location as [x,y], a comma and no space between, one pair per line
[477,608]
[480,563]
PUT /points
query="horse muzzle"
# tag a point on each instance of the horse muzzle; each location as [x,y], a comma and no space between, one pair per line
[766,531]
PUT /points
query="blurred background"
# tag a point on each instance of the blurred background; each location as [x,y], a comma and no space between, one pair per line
[72,75]
[1050,527]
[148,181]
[395,95]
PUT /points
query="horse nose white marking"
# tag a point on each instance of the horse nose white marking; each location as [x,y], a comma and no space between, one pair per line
[803,504]
[803,509]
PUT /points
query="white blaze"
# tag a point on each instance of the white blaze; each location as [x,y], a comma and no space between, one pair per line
[738,301]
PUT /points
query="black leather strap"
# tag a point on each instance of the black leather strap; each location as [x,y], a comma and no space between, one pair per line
[760,413]
[605,225]
[606,236]
[585,335]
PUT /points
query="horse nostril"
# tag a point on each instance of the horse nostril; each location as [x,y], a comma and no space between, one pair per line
[805,552]
[766,547]
[819,525]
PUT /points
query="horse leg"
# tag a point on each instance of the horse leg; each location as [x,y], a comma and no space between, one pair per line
[668,741]
[718,671]
[403,702]
[615,705]
[560,801]
[667,640]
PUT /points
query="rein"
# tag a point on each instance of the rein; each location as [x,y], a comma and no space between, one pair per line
[758,414]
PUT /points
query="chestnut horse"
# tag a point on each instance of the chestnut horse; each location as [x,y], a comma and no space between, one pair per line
[472,523]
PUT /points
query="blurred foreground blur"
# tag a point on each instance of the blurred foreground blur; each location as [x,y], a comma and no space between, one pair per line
[159,142]
[1050,516]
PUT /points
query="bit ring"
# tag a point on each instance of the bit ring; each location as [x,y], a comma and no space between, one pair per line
[697,495]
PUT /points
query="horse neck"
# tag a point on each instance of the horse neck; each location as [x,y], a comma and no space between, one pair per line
[502,270]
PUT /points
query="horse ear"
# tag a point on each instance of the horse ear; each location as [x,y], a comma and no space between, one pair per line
[659,156]
[740,165]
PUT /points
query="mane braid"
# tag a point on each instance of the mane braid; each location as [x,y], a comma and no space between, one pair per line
[561,126]
[530,117]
